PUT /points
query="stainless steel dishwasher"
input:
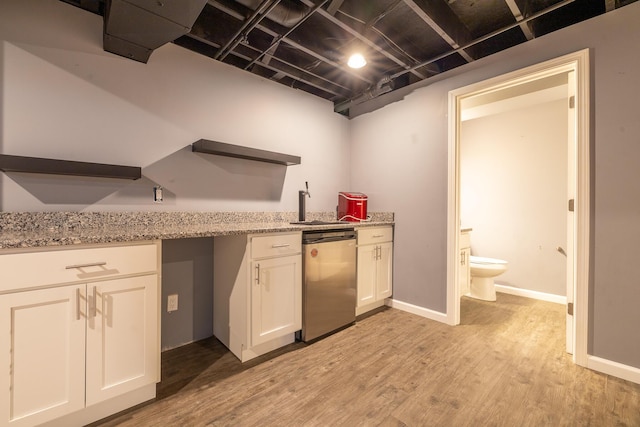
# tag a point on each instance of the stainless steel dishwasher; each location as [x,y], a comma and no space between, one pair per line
[329,281]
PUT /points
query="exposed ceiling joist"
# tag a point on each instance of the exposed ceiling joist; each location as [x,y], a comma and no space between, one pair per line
[513,6]
[305,43]
[369,43]
[450,28]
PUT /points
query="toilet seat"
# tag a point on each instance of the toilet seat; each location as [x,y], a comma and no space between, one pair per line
[485,261]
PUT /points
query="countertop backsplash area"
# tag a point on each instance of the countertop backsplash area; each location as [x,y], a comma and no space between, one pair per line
[34,229]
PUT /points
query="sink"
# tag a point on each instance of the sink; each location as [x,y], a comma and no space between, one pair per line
[318,222]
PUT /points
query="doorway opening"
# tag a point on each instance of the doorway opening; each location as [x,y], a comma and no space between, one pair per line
[575,69]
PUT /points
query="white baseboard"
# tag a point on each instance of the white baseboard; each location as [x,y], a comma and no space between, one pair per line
[558,299]
[615,369]
[420,311]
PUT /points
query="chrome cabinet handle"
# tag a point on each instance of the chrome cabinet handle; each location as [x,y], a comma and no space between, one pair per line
[93,304]
[257,274]
[91,264]
[282,245]
[463,258]
[77,303]
[377,236]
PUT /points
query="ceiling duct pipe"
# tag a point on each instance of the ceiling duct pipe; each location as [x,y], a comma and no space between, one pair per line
[383,86]
[134,28]
[287,13]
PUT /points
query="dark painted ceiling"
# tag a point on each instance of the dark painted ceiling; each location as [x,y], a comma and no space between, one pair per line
[305,44]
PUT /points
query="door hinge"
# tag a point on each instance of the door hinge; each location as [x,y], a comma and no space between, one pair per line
[570,309]
[572,205]
[572,101]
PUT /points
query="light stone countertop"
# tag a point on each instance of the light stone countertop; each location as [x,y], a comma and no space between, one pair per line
[42,229]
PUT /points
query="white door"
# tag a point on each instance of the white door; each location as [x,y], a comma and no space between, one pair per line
[122,336]
[41,355]
[276,298]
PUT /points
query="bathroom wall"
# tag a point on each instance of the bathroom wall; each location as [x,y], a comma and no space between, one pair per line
[513,193]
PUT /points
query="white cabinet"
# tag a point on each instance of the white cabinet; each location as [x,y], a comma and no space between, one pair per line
[464,274]
[375,267]
[82,339]
[257,292]
[42,355]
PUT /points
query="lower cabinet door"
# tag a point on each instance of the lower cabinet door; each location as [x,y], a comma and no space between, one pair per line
[276,298]
[41,354]
[122,336]
[366,274]
[384,271]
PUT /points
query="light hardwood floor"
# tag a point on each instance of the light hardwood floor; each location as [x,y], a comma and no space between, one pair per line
[505,365]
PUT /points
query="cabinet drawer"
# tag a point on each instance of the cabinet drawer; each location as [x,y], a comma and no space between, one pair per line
[368,236]
[275,245]
[23,270]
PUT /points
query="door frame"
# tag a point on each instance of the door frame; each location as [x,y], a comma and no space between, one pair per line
[579,63]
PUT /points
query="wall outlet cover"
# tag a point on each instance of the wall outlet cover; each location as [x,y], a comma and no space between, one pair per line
[172,303]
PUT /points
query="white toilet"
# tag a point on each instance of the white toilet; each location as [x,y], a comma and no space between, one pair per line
[483,270]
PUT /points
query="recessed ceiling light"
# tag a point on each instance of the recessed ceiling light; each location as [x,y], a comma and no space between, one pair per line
[356,61]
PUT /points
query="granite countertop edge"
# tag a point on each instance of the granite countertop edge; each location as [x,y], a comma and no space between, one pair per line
[61,235]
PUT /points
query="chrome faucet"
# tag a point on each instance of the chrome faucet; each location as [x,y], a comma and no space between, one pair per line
[301,202]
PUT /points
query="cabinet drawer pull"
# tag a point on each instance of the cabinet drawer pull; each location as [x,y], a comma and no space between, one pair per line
[91,264]
[282,245]
[257,274]
[377,236]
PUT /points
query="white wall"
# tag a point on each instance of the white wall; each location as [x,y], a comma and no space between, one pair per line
[63,97]
[513,193]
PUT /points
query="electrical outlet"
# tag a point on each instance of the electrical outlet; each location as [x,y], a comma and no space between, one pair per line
[172,303]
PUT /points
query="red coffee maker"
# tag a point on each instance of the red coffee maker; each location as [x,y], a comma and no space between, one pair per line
[352,206]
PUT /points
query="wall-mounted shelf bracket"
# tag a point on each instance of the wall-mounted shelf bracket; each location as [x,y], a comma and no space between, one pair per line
[230,150]
[9,163]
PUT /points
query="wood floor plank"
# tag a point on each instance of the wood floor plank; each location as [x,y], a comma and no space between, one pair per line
[505,365]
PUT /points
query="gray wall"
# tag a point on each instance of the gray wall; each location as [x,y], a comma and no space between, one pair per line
[64,97]
[406,142]
[187,271]
[513,192]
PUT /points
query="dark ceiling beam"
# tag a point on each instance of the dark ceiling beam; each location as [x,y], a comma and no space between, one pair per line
[355,33]
[517,13]
[450,29]
[275,42]
[278,70]
[334,6]
[249,24]
[290,42]
[347,104]
[491,35]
